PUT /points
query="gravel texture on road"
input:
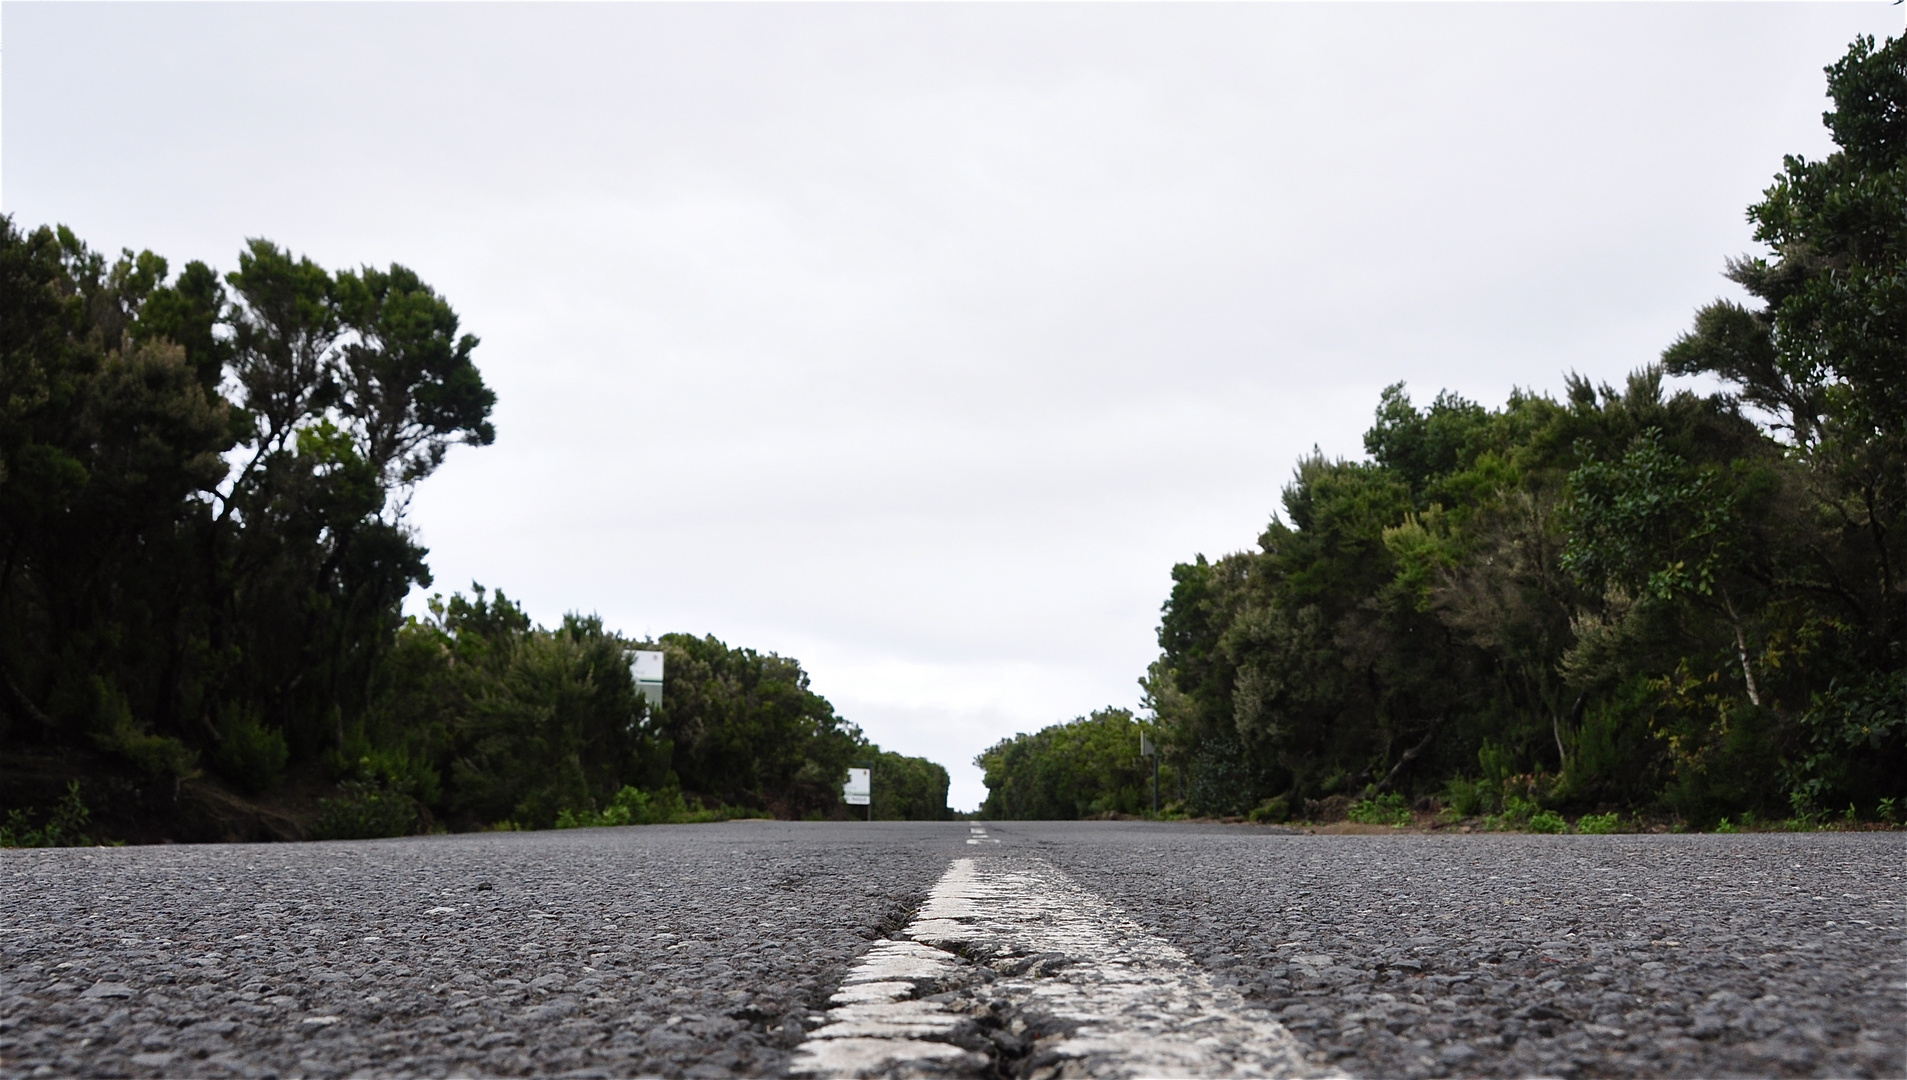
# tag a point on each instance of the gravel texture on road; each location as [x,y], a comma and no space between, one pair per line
[667,950]
[710,950]
[1518,955]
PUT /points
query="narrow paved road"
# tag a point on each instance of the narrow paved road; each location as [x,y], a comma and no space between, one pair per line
[758,948]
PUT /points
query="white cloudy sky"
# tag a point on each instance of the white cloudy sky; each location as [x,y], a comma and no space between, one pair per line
[919,341]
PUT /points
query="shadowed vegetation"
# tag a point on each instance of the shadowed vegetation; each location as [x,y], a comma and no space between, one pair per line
[203,557]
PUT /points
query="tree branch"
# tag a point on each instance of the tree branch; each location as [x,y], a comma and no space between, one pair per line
[1409,755]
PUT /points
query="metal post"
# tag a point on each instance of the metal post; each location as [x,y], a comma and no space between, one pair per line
[1148,748]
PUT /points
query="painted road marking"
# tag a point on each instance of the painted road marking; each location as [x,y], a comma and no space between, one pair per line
[979,836]
[1092,992]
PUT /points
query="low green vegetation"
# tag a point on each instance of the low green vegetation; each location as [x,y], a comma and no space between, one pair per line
[633,806]
[1385,809]
[362,810]
[1599,824]
[1627,600]
[62,826]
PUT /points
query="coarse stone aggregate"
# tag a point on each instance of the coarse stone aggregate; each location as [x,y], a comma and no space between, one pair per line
[1520,955]
[710,950]
[677,951]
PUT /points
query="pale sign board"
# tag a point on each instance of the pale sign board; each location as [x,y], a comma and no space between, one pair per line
[859,790]
[646,666]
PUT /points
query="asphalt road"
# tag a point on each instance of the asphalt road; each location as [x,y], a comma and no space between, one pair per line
[717,950]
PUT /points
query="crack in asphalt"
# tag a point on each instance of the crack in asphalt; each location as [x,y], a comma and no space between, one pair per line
[1011,969]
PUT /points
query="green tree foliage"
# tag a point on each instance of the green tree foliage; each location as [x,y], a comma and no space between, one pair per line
[1624,599]
[743,726]
[203,557]
[1085,768]
[908,788]
[65,825]
[484,717]
[187,579]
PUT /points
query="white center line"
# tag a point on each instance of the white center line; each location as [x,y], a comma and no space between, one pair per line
[1092,992]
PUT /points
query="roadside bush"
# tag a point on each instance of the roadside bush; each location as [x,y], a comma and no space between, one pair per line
[159,756]
[1464,797]
[633,806]
[365,811]
[1386,809]
[65,825]
[1856,736]
[1616,754]
[1272,811]
[1548,821]
[630,806]
[250,755]
[1500,792]
[1598,824]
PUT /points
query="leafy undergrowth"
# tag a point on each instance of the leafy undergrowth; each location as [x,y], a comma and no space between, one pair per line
[63,826]
[633,806]
[125,803]
[1389,813]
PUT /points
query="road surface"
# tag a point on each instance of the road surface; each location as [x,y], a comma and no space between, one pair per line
[994,949]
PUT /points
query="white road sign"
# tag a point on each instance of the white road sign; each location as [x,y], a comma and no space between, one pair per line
[859,790]
[646,666]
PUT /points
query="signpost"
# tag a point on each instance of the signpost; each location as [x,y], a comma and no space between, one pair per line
[1147,748]
[646,666]
[859,790]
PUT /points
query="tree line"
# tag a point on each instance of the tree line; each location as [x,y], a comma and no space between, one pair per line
[1628,598]
[204,556]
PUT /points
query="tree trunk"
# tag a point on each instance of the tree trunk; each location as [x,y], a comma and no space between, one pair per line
[1556,728]
[1409,755]
[1741,650]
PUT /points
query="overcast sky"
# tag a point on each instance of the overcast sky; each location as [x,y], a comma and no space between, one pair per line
[918,342]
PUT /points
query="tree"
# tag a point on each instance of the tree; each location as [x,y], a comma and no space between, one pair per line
[1084,768]
[158,603]
[1666,601]
[1826,349]
[744,728]
[108,440]
[908,788]
[1824,353]
[407,381]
